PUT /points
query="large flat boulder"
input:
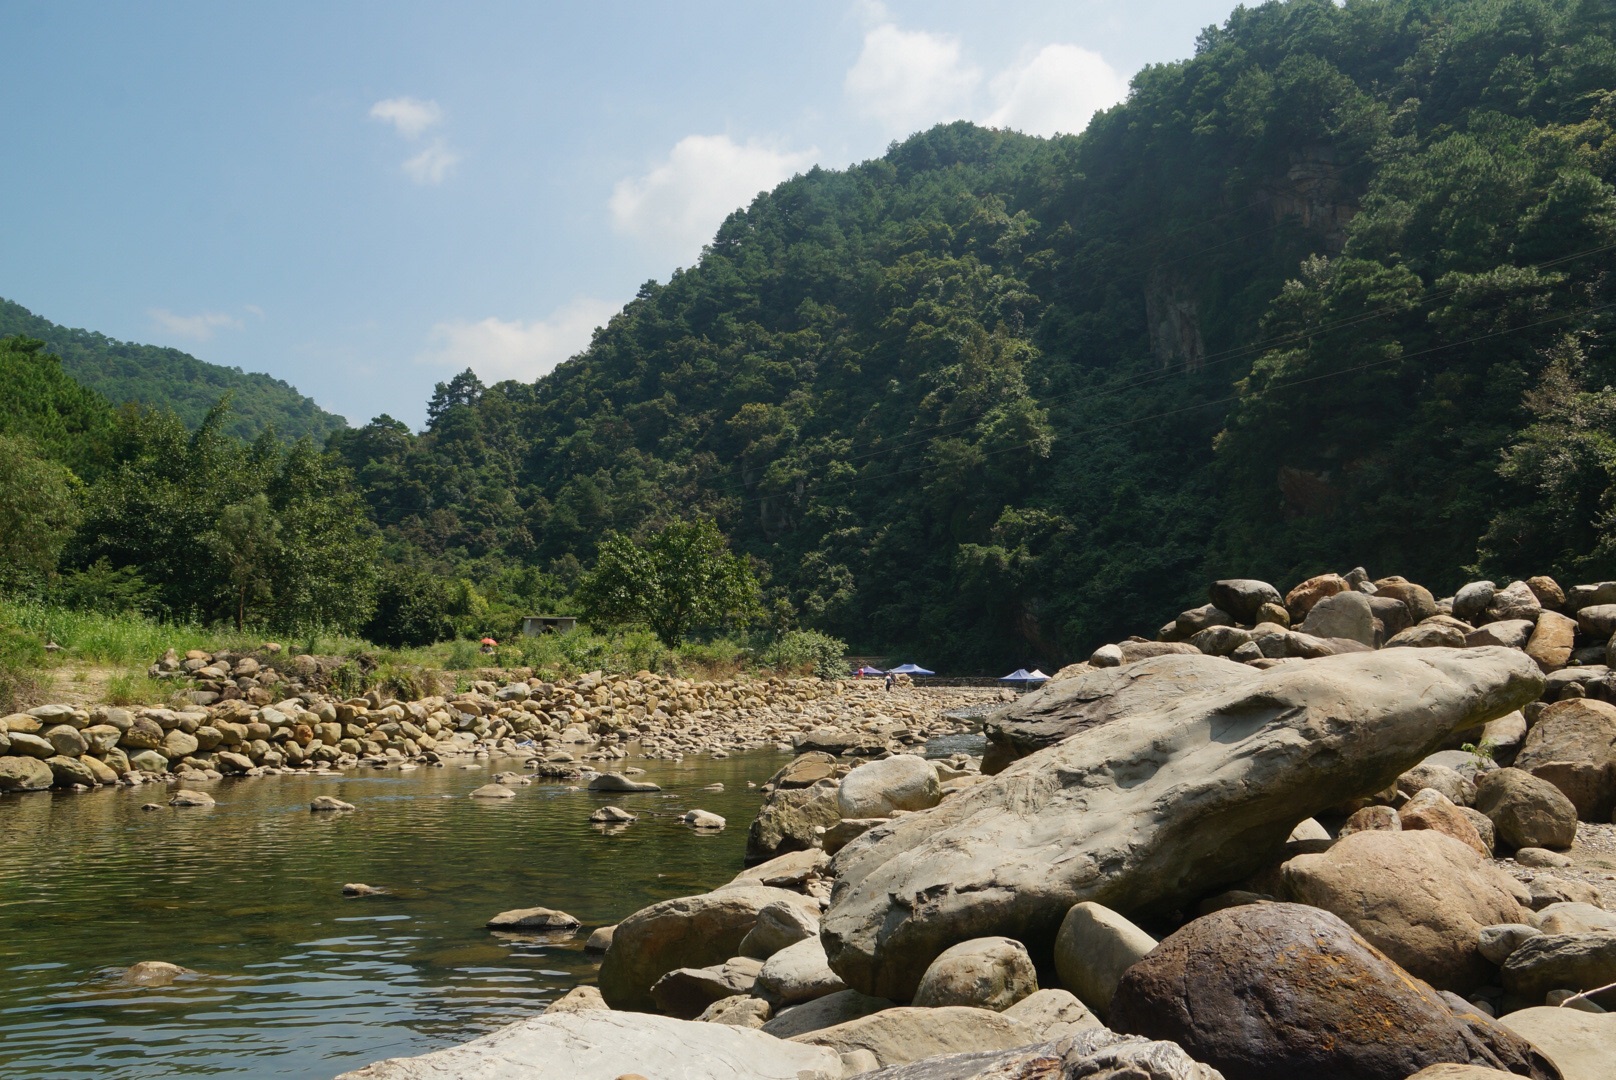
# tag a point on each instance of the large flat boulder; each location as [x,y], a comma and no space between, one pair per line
[1420,897]
[1154,813]
[1098,696]
[1280,991]
[687,932]
[1582,1044]
[897,1036]
[1097,1053]
[602,1045]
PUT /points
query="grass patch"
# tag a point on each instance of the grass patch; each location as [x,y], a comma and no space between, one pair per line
[137,688]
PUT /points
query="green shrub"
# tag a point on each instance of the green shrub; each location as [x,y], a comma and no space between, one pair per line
[465,656]
[21,657]
[808,650]
[137,688]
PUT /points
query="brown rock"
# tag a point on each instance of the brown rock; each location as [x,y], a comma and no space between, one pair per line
[1547,591]
[1281,991]
[1573,747]
[1371,819]
[1300,600]
[1526,811]
[1420,897]
[1430,809]
[1552,640]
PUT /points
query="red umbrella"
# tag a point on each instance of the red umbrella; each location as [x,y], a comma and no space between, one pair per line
[489,641]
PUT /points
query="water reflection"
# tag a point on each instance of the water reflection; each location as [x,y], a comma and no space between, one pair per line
[297,980]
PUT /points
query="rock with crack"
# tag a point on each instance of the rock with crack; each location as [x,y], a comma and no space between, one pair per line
[1154,813]
[1098,1053]
[1097,697]
[600,1045]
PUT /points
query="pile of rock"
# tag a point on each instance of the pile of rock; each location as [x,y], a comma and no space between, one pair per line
[234,725]
[1253,852]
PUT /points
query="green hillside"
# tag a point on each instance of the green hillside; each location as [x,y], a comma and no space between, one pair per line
[124,371]
[1335,290]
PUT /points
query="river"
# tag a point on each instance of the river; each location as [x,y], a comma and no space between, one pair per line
[296,980]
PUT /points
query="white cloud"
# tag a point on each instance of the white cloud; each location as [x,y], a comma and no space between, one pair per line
[432,164]
[1059,89]
[910,79]
[409,116]
[496,349]
[198,327]
[680,203]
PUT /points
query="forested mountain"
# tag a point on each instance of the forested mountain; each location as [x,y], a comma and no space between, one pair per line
[124,371]
[1337,290]
[1333,291]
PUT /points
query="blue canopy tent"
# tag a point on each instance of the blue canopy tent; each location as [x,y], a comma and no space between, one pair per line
[911,669]
[867,671]
[1024,678]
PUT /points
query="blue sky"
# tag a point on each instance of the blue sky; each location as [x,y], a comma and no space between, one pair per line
[364,198]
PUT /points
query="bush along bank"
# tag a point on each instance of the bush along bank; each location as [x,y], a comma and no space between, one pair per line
[1351,830]
[244,717]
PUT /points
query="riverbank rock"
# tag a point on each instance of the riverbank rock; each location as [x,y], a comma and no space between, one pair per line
[600,1044]
[1153,813]
[900,782]
[703,820]
[493,791]
[1094,947]
[25,774]
[740,1010]
[778,926]
[1582,1044]
[987,973]
[1573,747]
[329,804]
[1526,812]
[1280,991]
[1420,897]
[1097,696]
[788,818]
[533,919]
[1575,962]
[825,1012]
[798,973]
[578,999]
[1053,1014]
[613,815]
[618,782]
[686,993]
[687,932]
[898,1036]
[184,797]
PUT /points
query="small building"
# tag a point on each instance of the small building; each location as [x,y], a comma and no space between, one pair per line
[534,625]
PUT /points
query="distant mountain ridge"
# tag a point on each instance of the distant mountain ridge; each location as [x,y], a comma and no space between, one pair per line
[127,371]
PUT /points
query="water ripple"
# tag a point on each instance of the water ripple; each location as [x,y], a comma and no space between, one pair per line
[296,980]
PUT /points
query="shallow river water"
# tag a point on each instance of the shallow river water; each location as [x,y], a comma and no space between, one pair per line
[296,980]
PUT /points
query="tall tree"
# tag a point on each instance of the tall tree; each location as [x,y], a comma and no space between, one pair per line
[681,577]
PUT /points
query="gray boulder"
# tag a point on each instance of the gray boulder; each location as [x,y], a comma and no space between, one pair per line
[825,1012]
[599,1044]
[1094,947]
[1280,991]
[985,973]
[1562,962]
[1096,1053]
[533,919]
[900,782]
[1095,698]
[617,782]
[1241,597]
[1154,813]
[690,931]
[1583,1045]
[24,774]
[898,1036]
[778,926]
[688,992]
[798,973]
[1526,811]
[1344,615]
[1053,1014]
[25,745]
[1573,746]
[788,818]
